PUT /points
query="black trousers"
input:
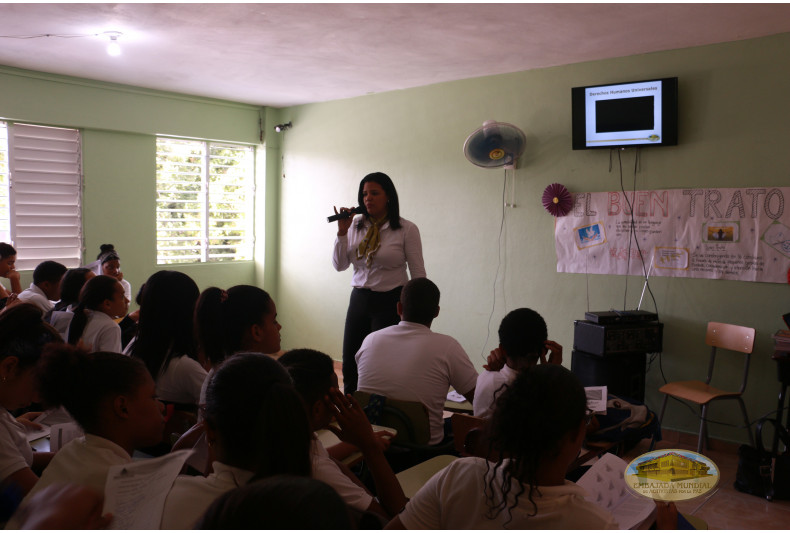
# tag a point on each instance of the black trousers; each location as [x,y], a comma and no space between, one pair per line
[368,311]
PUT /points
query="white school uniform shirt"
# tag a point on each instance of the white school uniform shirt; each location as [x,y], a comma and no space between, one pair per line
[34,295]
[388,268]
[181,381]
[127,289]
[487,390]
[101,332]
[454,498]
[61,320]
[15,450]
[410,362]
[191,496]
[84,461]
[325,469]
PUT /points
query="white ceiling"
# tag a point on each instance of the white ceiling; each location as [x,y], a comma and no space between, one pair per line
[288,54]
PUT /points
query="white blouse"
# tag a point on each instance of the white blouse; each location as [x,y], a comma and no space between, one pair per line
[398,249]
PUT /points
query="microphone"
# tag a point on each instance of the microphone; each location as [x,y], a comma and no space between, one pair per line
[350,213]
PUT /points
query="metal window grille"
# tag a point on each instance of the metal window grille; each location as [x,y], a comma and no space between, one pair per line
[205,201]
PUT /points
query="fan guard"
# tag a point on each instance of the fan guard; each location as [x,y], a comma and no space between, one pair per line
[494,145]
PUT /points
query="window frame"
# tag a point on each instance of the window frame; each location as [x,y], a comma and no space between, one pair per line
[205,200]
[44,193]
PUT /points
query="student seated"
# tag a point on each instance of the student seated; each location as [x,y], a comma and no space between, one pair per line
[93,323]
[314,377]
[45,288]
[64,506]
[108,263]
[8,270]
[410,362]
[165,340]
[70,286]
[22,338]
[539,424]
[241,319]
[256,427]
[523,342]
[276,503]
[111,397]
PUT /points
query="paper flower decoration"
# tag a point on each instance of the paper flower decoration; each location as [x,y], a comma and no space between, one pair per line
[557,200]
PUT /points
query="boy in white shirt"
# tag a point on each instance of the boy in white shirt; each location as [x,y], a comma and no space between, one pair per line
[523,341]
[45,288]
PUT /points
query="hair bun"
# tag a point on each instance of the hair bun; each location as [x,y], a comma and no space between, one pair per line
[107,248]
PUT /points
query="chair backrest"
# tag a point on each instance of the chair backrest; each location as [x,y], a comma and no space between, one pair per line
[730,337]
[409,418]
[733,338]
[462,425]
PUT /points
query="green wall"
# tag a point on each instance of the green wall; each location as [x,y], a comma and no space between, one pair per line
[733,124]
[734,120]
[119,125]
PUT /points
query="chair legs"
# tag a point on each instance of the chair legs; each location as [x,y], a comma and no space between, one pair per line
[746,421]
[703,428]
[660,419]
[703,424]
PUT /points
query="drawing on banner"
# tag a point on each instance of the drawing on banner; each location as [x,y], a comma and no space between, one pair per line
[718,233]
[721,232]
[590,235]
[672,258]
[777,236]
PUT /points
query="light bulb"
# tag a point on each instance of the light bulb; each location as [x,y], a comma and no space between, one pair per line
[114,49]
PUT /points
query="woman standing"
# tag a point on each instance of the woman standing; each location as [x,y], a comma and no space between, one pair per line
[379,244]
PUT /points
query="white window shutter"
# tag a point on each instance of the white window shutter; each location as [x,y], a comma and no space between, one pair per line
[5,201]
[46,200]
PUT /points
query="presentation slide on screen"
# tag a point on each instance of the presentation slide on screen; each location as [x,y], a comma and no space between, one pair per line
[623,114]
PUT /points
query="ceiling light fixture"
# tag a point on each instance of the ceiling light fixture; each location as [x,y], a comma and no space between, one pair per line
[114,49]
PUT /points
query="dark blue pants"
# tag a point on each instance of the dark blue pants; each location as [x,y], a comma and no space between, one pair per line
[368,311]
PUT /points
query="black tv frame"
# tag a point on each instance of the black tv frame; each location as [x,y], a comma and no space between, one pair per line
[669,115]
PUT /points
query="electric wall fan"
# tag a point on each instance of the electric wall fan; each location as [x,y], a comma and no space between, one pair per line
[496,144]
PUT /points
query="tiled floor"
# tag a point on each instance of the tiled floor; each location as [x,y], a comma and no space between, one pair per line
[725,508]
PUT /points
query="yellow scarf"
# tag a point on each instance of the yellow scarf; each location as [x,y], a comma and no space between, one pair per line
[372,241]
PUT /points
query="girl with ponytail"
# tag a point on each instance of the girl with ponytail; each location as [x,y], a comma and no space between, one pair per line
[22,338]
[256,427]
[111,396]
[243,318]
[536,432]
[102,300]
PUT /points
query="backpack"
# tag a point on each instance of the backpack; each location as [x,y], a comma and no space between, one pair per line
[625,420]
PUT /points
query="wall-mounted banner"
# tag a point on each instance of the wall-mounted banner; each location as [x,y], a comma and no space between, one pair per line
[737,234]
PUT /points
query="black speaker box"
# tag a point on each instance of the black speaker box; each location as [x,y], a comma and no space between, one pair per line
[623,374]
[606,339]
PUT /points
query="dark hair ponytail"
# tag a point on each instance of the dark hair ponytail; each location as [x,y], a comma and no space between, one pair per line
[165,330]
[223,317]
[92,295]
[79,381]
[527,435]
[70,287]
[252,386]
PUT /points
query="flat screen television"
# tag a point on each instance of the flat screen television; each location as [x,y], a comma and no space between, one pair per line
[637,113]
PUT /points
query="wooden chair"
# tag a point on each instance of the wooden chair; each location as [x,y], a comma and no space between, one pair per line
[727,337]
